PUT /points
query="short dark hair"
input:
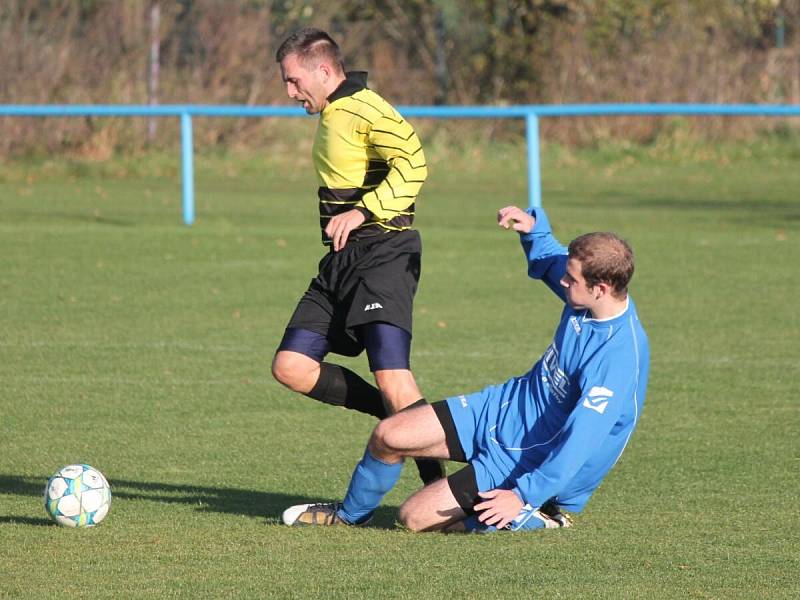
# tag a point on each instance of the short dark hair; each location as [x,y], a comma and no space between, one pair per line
[604,258]
[311,45]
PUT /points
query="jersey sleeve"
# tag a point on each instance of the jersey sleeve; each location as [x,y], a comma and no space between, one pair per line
[395,141]
[546,256]
[604,390]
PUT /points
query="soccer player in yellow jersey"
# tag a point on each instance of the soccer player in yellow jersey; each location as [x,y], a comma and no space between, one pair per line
[370,167]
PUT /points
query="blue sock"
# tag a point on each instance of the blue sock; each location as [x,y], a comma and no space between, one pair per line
[370,482]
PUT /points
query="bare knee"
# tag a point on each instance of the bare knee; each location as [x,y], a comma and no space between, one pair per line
[282,371]
[433,508]
[416,516]
[297,372]
[409,519]
[380,442]
[406,519]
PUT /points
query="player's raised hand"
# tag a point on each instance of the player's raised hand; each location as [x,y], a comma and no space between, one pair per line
[499,508]
[512,217]
[340,226]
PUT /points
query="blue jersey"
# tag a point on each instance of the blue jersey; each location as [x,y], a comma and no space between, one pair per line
[556,431]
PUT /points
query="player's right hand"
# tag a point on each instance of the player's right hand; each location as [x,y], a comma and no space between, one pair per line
[512,217]
[340,226]
[499,507]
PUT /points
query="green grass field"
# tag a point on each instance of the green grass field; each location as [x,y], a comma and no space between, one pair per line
[142,347]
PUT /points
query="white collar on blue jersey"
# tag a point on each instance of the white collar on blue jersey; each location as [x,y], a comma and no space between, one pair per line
[616,316]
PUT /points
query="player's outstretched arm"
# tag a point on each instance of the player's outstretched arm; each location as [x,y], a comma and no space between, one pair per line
[546,257]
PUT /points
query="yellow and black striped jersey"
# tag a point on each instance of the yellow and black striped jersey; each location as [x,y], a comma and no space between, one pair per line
[367,157]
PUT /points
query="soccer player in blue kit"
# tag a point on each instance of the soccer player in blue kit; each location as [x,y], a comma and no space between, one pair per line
[538,445]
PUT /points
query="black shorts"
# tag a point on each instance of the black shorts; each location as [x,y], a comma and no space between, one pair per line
[463,483]
[368,281]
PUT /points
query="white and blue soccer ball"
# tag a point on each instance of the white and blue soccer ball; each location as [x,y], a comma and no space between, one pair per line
[77,496]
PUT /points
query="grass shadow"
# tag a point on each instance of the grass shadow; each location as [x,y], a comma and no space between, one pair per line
[22,217]
[767,213]
[85,218]
[34,522]
[226,500]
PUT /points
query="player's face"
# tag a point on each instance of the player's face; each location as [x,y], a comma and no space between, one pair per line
[579,295]
[306,86]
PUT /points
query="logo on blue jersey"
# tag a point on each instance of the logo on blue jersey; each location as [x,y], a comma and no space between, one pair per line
[597,398]
[555,376]
[576,325]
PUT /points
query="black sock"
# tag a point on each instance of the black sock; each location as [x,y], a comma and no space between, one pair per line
[341,387]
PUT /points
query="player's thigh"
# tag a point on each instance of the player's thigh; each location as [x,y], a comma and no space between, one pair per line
[314,313]
[317,327]
[432,508]
[387,280]
[416,431]
[388,346]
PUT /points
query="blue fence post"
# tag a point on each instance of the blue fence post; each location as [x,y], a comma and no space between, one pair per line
[534,166]
[187,168]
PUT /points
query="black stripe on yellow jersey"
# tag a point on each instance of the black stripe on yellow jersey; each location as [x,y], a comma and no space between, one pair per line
[367,157]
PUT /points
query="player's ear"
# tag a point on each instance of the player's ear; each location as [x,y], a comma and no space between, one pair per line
[325,70]
[601,289]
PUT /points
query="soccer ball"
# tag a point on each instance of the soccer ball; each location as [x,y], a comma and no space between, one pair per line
[77,496]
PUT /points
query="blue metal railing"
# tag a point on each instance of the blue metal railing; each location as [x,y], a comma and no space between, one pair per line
[529,112]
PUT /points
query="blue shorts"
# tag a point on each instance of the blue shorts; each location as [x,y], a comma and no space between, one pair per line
[471,417]
[476,416]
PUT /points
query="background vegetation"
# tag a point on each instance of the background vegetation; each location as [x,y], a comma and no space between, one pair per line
[418,52]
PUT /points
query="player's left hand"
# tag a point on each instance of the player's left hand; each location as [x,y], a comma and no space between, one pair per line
[340,226]
[500,507]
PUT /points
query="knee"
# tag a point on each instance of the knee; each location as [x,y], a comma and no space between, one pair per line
[409,519]
[288,372]
[281,370]
[380,442]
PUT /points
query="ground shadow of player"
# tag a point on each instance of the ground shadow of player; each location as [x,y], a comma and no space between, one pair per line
[73,216]
[235,501]
[17,520]
[17,485]
[250,503]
